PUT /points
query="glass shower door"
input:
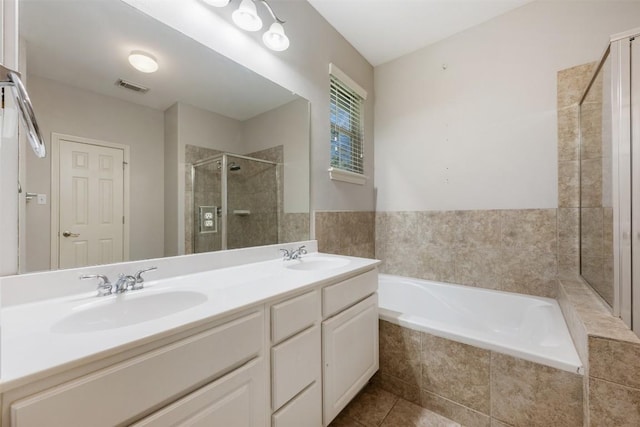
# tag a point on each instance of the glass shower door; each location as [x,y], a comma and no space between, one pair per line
[207,206]
[252,202]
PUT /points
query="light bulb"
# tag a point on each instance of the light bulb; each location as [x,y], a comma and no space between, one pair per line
[275,39]
[143,62]
[217,3]
[246,17]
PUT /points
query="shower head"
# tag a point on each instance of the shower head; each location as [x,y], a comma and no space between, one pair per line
[233,166]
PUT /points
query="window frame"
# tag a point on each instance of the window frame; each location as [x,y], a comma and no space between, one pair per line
[345,84]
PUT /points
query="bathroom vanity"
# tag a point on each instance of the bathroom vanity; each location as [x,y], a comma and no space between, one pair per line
[268,343]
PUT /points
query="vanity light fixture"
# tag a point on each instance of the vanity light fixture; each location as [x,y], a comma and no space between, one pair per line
[143,61]
[217,3]
[246,17]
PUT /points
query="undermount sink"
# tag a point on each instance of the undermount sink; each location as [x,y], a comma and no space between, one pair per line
[317,263]
[127,309]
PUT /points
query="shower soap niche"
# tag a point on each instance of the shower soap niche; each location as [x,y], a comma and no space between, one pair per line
[242,212]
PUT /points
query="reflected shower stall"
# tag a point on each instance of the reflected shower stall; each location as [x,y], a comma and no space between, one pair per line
[235,203]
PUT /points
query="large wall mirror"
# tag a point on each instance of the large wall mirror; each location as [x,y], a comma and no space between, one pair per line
[200,155]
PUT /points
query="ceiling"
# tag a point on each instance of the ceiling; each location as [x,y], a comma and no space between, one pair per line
[383,30]
[85,44]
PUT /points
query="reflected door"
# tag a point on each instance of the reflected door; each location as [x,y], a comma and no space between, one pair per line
[91,218]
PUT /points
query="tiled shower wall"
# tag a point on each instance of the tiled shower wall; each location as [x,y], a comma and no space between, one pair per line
[509,250]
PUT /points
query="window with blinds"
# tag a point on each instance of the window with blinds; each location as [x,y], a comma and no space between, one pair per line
[346,127]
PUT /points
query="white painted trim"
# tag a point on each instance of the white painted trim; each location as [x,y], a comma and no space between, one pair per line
[346,176]
[55,185]
[625,35]
[344,78]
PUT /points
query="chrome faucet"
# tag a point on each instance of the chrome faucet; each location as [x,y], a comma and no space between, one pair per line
[104,286]
[125,282]
[289,254]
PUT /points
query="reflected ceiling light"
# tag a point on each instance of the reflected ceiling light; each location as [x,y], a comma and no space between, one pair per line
[143,61]
[246,17]
[217,3]
[275,38]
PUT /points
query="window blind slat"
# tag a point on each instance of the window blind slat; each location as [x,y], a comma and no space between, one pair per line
[346,127]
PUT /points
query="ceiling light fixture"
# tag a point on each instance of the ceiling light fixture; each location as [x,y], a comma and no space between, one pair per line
[143,61]
[246,17]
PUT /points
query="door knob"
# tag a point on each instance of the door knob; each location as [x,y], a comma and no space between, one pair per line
[69,234]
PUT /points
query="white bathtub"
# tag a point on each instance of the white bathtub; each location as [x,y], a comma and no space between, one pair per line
[528,327]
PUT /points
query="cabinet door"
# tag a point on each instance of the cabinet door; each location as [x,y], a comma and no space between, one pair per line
[235,400]
[349,354]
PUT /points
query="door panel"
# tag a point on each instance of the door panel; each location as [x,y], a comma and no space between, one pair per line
[91,204]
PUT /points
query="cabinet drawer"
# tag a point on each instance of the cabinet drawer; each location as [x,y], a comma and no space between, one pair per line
[237,399]
[123,391]
[295,365]
[294,315]
[303,411]
[336,298]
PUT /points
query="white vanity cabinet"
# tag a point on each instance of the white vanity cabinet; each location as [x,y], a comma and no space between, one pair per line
[349,340]
[296,399]
[221,372]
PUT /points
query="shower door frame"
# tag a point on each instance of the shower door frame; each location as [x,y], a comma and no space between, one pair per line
[625,65]
[223,191]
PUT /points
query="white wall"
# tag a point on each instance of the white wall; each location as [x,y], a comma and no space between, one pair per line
[68,110]
[303,69]
[288,126]
[481,134]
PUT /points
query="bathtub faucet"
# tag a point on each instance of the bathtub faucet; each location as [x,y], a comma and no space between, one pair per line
[289,254]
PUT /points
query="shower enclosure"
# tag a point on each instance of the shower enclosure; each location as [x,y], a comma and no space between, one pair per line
[610,179]
[236,203]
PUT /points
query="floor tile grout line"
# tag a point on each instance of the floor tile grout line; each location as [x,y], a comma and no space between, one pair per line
[392,406]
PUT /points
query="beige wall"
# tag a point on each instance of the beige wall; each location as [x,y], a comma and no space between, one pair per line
[481,134]
[287,126]
[67,110]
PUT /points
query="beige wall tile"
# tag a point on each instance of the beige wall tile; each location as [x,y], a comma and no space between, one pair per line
[613,404]
[568,142]
[591,183]
[614,361]
[568,184]
[530,229]
[529,394]
[498,423]
[478,228]
[529,272]
[454,411]
[572,82]
[456,371]
[482,267]
[400,352]
[591,131]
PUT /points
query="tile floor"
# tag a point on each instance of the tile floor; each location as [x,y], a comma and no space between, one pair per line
[375,407]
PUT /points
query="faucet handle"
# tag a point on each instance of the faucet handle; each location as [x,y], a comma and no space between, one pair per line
[139,279]
[302,250]
[104,287]
[286,255]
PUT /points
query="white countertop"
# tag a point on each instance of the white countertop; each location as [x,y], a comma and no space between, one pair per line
[32,349]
